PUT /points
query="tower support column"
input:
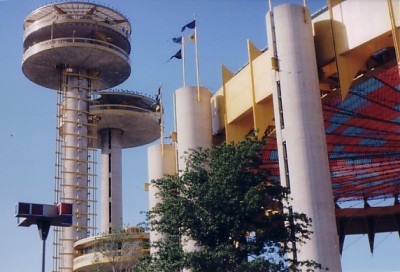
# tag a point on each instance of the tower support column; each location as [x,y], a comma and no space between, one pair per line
[111,180]
[194,129]
[303,159]
[75,161]
[193,121]
[161,162]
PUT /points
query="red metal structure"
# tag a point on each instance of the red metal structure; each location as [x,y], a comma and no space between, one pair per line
[363,138]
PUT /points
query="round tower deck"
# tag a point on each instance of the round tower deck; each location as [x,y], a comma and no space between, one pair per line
[134,114]
[87,38]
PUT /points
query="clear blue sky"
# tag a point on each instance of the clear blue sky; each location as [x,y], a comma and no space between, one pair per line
[27,134]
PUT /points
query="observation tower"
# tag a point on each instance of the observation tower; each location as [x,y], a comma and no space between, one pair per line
[124,120]
[78,49]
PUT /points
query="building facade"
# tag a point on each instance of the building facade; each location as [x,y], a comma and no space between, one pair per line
[325,96]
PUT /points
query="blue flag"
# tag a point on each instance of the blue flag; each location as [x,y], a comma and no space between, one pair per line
[190,25]
[177,39]
[178,55]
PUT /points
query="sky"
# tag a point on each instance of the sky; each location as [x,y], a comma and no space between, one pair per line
[28,111]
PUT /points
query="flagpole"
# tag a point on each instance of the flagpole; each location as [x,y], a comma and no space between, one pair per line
[197,60]
[183,60]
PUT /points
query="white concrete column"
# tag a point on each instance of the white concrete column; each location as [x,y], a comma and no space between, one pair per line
[194,129]
[193,121]
[111,180]
[161,162]
[75,164]
[303,159]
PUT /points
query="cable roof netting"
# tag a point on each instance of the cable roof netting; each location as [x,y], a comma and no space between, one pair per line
[363,142]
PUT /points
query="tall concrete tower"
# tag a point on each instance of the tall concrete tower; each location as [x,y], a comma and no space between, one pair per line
[303,156]
[193,128]
[78,48]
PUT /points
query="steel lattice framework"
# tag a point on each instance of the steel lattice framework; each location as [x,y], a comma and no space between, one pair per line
[363,138]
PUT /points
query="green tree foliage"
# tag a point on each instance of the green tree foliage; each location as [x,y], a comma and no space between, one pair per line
[226,201]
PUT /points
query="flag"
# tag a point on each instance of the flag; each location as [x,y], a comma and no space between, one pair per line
[191,38]
[177,55]
[177,39]
[158,98]
[158,95]
[190,25]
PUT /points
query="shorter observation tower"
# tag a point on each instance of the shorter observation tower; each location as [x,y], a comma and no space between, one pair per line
[123,120]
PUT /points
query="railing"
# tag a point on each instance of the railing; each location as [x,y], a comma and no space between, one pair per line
[69,18]
[121,107]
[125,91]
[76,41]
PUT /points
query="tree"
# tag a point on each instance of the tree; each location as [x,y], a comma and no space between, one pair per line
[119,250]
[226,201]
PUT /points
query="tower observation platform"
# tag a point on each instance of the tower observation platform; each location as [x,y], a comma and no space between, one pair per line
[134,114]
[82,37]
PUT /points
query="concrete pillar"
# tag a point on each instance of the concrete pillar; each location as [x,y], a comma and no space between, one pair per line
[111,180]
[193,127]
[302,149]
[75,164]
[161,162]
[193,120]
